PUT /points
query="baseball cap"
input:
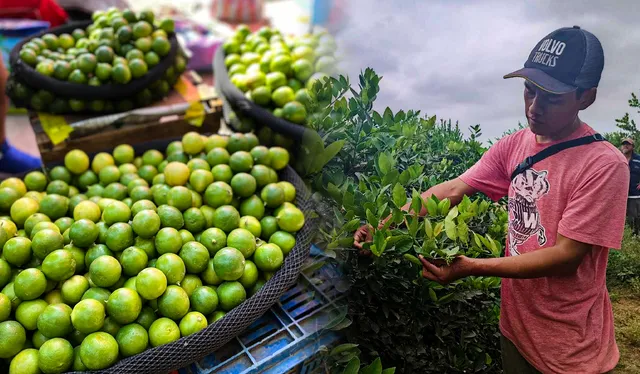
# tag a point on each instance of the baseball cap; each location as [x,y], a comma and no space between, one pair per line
[563,61]
[628,140]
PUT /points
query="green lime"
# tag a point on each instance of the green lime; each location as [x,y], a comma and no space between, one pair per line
[172,266]
[218,194]
[17,251]
[168,240]
[120,73]
[137,66]
[115,212]
[22,209]
[38,339]
[73,288]
[5,307]
[226,218]
[192,322]
[268,257]
[104,54]
[78,255]
[99,294]
[261,155]
[186,236]
[176,174]
[209,275]
[216,316]
[250,275]
[204,299]
[119,236]
[163,331]
[151,283]
[229,263]
[105,271]
[243,185]
[132,339]
[242,240]
[59,265]
[222,173]
[180,197]
[146,317]
[101,160]
[141,205]
[55,356]
[290,219]
[133,260]
[289,191]
[110,326]
[273,195]
[87,210]
[194,220]
[279,157]
[29,284]
[263,175]
[213,239]
[99,350]
[252,206]
[170,217]
[269,226]
[115,191]
[8,196]
[192,143]
[54,206]
[83,233]
[200,179]
[124,305]
[146,223]
[174,303]
[195,257]
[12,338]
[35,181]
[88,316]
[190,283]
[28,311]
[55,321]
[241,161]
[252,224]
[230,295]
[94,252]
[25,362]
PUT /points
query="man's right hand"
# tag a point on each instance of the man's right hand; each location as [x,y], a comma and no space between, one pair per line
[363,235]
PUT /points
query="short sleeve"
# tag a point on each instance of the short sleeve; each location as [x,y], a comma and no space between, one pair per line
[595,213]
[489,175]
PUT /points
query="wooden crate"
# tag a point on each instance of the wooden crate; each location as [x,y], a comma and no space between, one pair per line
[143,131]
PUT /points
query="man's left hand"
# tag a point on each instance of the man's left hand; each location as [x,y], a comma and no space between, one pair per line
[439,271]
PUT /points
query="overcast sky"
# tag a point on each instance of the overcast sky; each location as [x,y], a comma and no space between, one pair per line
[448,57]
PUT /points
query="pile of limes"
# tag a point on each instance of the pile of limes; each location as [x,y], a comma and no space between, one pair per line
[120,46]
[276,71]
[105,258]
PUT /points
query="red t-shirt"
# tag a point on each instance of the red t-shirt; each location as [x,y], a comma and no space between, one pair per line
[559,324]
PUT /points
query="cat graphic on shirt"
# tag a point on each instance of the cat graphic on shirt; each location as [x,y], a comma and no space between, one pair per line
[525,222]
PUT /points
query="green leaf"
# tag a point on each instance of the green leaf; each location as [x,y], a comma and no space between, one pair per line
[412,258]
[405,176]
[331,151]
[413,226]
[385,162]
[374,368]
[416,202]
[352,367]
[432,206]
[379,243]
[453,213]
[342,348]
[443,206]
[428,228]
[438,229]
[389,370]
[404,245]
[432,295]
[450,229]
[371,218]
[399,195]
[463,232]
[352,225]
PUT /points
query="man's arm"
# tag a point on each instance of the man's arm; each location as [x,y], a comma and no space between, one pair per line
[562,259]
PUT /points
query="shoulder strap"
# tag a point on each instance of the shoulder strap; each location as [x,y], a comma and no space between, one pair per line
[550,151]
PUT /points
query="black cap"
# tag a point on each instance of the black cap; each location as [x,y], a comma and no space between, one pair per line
[563,61]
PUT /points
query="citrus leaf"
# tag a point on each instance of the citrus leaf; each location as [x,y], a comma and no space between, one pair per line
[385,162]
[352,367]
[428,228]
[399,195]
[432,295]
[379,243]
[342,348]
[443,206]
[331,151]
[432,206]
[374,368]
[438,229]
[450,229]
[371,218]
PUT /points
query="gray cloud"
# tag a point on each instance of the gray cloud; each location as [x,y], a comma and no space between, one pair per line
[448,58]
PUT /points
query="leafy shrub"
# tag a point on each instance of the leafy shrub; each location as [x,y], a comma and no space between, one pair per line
[624,265]
[385,161]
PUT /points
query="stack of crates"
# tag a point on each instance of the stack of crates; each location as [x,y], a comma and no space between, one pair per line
[289,336]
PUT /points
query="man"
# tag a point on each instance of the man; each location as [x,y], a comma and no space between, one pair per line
[565,212]
[633,201]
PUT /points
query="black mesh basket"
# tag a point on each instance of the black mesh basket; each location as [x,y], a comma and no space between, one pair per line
[195,347]
[23,72]
[236,103]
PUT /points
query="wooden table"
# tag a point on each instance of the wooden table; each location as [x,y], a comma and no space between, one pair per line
[143,130]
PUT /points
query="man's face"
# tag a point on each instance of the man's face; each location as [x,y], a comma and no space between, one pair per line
[548,113]
[626,148]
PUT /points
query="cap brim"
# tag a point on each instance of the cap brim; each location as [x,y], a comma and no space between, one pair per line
[542,80]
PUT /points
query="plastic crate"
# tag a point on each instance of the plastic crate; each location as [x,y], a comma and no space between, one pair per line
[287,338]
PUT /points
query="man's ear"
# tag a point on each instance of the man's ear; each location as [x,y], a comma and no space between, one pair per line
[587,98]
